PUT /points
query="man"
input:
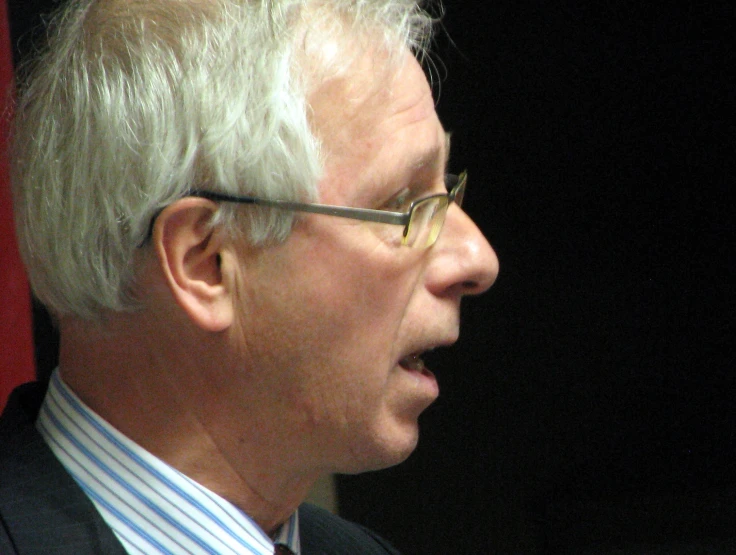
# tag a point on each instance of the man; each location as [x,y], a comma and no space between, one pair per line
[237,212]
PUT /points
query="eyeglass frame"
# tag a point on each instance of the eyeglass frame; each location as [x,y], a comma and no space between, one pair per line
[455,194]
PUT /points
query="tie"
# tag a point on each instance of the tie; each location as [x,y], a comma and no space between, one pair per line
[282,550]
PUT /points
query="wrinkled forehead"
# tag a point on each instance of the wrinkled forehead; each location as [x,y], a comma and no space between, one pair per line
[378,128]
[367,80]
[372,91]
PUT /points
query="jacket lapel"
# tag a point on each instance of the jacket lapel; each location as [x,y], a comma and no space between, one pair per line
[42,508]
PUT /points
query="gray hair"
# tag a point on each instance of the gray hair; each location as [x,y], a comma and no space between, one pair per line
[135,102]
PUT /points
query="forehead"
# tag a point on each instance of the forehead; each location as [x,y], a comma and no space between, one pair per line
[377,120]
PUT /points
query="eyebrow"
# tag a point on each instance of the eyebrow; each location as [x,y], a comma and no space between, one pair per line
[432,156]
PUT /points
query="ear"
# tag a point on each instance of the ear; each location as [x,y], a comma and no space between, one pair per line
[189,253]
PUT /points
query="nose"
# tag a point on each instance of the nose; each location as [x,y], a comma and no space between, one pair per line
[464,263]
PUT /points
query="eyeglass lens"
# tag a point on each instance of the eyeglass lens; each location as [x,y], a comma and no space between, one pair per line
[426,222]
[428,216]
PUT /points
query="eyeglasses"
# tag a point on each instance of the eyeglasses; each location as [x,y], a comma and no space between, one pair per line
[422,222]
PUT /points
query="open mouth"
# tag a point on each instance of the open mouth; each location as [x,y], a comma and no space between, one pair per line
[412,362]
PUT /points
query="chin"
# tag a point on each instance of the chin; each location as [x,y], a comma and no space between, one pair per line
[384,452]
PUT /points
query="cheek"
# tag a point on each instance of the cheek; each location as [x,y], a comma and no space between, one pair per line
[328,318]
[344,285]
[354,341]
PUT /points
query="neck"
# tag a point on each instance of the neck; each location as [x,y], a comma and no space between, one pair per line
[153,391]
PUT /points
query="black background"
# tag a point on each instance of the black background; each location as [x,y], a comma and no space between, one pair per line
[588,406]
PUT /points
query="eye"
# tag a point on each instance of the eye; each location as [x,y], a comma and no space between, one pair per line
[400,202]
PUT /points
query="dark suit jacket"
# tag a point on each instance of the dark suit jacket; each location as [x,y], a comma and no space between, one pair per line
[44,512]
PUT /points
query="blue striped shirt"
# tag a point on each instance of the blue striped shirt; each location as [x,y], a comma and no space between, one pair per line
[151,507]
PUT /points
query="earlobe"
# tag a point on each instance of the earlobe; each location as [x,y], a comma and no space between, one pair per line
[189,253]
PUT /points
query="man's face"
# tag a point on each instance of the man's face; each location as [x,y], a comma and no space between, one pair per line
[332,322]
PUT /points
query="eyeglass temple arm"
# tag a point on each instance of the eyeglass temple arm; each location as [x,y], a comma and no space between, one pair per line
[364,214]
